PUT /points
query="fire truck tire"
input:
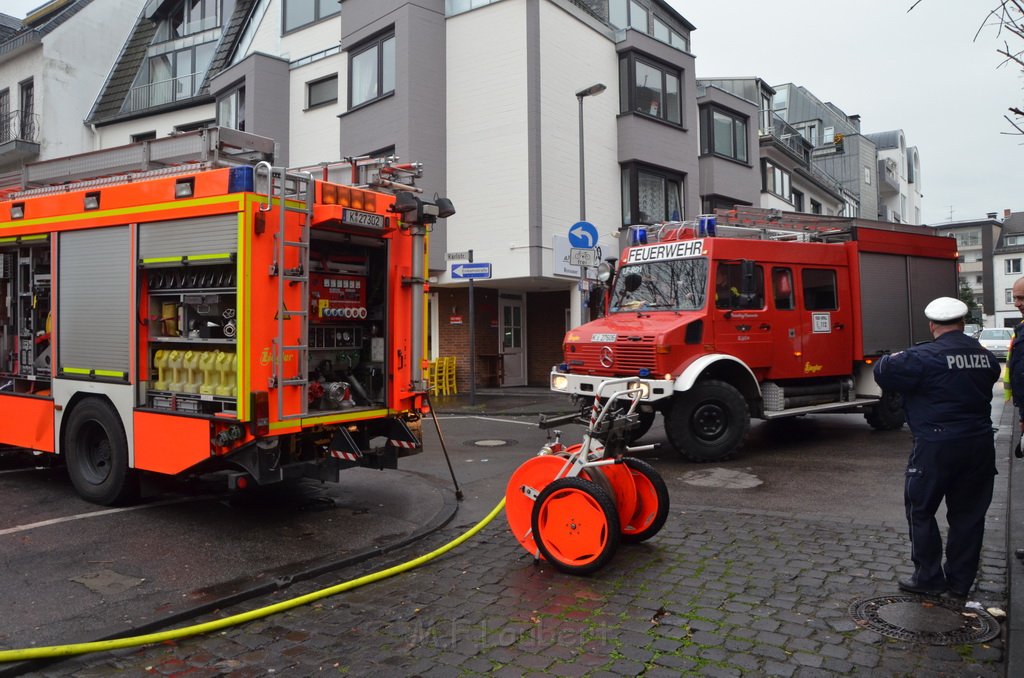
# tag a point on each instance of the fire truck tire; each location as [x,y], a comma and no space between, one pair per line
[888,414]
[652,502]
[97,454]
[575,525]
[709,422]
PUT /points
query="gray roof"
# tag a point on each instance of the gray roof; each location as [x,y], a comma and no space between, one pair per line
[15,34]
[107,109]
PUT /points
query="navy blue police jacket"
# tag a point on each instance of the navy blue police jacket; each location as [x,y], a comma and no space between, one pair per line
[1015,368]
[946,386]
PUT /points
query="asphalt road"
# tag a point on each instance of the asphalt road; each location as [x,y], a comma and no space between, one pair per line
[75,572]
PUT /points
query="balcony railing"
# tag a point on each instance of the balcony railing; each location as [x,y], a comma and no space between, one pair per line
[788,136]
[162,92]
[19,126]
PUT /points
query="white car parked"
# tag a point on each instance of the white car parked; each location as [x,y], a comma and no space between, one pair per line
[997,340]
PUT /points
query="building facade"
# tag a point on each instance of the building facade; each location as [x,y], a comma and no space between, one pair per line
[976,242]
[531,115]
[51,66]
[1007,268]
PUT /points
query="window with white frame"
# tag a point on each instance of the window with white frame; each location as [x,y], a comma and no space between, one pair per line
[322,91]
[372,70]
[867,175]
[1013,240]
[1008,297]
[231,109]
[776,180]
[302,13]
[1012,266]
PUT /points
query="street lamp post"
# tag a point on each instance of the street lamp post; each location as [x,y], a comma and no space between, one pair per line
[593,90]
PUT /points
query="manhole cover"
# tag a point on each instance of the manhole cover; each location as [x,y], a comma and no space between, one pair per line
[492,442]
[933,621]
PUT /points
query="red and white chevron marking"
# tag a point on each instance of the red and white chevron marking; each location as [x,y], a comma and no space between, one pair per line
[348,456]
[402,443]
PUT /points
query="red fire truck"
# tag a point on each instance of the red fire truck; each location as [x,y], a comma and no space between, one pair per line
[758,313]
[181,306]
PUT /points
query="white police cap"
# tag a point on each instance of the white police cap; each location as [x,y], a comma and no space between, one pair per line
[945,310]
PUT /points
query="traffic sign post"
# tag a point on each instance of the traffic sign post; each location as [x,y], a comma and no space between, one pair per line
[583,234]
[583,256]
[583,238]
[471,271]
[472,334]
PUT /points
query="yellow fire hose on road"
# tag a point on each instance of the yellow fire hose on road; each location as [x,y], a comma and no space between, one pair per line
[51,651]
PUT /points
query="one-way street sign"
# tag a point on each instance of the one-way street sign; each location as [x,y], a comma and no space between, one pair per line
[471,271]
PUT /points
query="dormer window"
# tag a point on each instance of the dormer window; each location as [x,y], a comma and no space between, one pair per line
[188,17]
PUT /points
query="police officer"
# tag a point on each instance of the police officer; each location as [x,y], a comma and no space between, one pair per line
[947,394]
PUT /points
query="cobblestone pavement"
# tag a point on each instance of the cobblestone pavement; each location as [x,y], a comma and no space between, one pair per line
[717,593]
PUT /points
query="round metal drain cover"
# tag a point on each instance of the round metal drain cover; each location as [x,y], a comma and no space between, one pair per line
[493,442]
[933,621]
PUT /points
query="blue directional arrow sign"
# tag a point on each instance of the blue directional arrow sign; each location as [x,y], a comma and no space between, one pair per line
[471,271]
[583,234]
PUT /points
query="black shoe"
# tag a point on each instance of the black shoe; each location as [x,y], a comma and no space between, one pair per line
[956,596]
[911,586]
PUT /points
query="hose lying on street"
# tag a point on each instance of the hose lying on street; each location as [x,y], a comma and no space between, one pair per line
[24,654]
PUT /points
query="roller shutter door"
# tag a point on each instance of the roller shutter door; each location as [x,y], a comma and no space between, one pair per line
[189,237]
[94,302]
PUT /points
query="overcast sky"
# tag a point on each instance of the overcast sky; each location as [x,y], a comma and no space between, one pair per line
[921,71]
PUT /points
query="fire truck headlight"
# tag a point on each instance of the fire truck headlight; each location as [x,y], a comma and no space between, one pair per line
[559,382]
[645,390]
[605,271]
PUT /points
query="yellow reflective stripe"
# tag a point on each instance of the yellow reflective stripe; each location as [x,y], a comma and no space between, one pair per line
[126,211]
[94,373]
[186,258]
[23,238]
[329,419]
[243,292]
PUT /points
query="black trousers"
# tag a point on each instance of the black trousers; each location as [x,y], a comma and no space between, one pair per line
[962,472]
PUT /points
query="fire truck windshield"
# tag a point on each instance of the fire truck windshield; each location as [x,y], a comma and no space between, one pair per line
[672,285]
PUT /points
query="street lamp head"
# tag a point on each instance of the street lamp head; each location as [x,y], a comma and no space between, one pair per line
[593,90]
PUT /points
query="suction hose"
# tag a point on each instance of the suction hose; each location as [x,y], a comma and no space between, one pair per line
[51,651]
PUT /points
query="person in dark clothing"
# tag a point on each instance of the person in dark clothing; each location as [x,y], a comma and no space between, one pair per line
[947,395]
[1015,360]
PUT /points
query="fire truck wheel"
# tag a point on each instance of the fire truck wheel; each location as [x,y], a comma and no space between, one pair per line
[97,454]
[651,502]
[575,525]
[709,422]
[888,414]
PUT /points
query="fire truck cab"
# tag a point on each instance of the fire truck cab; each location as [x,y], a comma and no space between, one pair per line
[756,314]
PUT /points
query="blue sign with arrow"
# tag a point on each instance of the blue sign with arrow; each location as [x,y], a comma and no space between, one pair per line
[583,234]
[471,271]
